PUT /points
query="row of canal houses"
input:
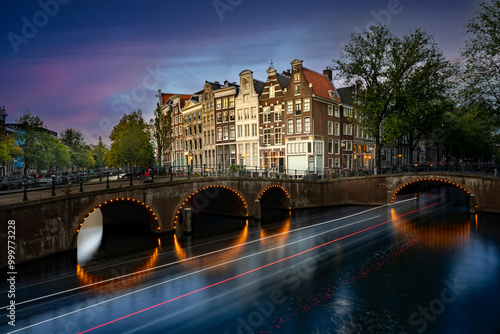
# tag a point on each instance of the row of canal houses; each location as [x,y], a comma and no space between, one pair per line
[295,122]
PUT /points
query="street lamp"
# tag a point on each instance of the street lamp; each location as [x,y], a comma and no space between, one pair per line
[372,149]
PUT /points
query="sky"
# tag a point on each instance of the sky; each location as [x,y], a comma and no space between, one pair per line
[83,64]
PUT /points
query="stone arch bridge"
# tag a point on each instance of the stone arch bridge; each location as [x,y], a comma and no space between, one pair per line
[51,225]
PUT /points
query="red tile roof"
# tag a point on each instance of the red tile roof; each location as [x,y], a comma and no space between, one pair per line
[320,84]
[165,97]
[184,99]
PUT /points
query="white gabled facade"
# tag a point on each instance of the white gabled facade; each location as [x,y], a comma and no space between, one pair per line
[247,120]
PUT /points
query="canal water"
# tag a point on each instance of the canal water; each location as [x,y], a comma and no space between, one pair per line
[434,271]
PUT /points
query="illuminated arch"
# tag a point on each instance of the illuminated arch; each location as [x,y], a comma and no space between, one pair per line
[123,199]
[434,179]
[188,198]
[279,187]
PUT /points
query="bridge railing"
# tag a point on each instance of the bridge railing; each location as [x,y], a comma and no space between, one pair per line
[170,173]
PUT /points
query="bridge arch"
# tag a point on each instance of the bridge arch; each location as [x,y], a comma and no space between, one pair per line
[437,180]
[273,203]
[99,204]
[283,197]
[206,199]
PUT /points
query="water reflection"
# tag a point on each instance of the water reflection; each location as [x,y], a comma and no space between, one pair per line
[435,232]
[134,274]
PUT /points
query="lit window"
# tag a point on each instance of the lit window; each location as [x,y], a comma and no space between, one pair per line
[297,89]
[218,104]
[298,125]
[289,107]
[307,105]
[307,125]
[231,102]
[296,77]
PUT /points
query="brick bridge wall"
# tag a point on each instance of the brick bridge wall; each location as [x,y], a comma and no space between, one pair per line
[48,226]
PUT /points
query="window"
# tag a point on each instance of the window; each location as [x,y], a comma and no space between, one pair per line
[345,129]
[231,102]
[232,132]
[337,129]
[289,107]
[297,89]
[307,125]
[247,115]
[330,128]
[224,103]
[240,114]
[231,115]
[224,116]
[337,163]
[226,133]
[298,104]
[254,113]
[245,98]
[267,137]
[307,105]
[330,146]
[278,113]
[337,111]
[349,128]
[254,130]
[356,131]
[247,130]
[207,96]
[296,77]
[218,104]
[349,145]
[330,163]
[239,131]
[298,125]
[330,110]
[290,126]
[219,118]
[277,136]
[271,91]
[219,134]
[211,105]
[267,115]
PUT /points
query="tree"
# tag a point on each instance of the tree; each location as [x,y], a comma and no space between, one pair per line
[481,66]
[9,149]
[131,143]
[30,138]
[99,153]
[390,69]
[78,148]
[161,132]
[467,135]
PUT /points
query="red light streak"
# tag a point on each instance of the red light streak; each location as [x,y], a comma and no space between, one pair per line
[251,271]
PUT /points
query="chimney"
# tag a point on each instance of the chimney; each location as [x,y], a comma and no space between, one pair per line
[328,73]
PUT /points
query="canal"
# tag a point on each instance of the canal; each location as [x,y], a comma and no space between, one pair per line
[418,266]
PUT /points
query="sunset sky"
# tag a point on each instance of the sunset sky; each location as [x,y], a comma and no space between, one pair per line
[83,64]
